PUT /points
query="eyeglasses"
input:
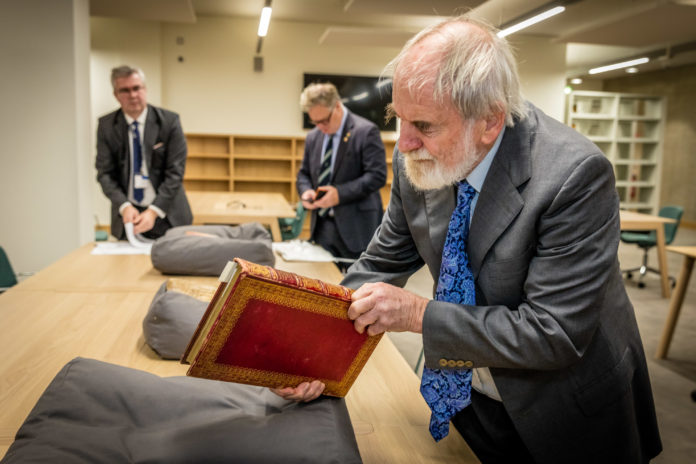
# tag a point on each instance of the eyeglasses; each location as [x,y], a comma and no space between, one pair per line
[325,120]
[128,90]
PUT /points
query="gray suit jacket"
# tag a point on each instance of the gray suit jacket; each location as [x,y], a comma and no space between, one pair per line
[552,321]
[165,164]
[360,170]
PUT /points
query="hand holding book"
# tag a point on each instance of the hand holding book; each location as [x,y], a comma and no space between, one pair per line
[277,329]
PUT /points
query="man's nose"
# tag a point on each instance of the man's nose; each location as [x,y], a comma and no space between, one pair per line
[409,139]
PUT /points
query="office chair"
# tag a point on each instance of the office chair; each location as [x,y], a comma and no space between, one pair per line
[7,274]
[647,240]
[290,228]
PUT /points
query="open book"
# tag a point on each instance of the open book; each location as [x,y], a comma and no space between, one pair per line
[278,329]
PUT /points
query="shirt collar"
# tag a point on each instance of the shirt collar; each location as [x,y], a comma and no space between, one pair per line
[141,119]
[478,175]
[340,128]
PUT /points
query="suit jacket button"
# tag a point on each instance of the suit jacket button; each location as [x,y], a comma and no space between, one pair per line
[468,364]
[443,362]
[452,363]
[460,363]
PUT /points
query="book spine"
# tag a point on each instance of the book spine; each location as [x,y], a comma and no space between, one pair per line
[199,327]
[291,279]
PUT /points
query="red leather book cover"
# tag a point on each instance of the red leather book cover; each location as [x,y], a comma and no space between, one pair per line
[278,329]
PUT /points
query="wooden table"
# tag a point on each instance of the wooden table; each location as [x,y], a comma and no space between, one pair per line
[675,304]
[648,222]
[93,306]
[240,207]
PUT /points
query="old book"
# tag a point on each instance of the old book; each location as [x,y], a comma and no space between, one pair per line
[274,328]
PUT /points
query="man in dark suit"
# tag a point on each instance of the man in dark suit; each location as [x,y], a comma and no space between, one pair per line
[141,156]
[529,291]
[343,168]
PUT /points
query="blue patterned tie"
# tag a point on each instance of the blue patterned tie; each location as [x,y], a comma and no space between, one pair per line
[449,391]
[137,162]
[325,172]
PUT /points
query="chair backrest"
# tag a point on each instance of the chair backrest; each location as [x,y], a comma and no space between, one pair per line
[672,212]
[7,275]
[296,224]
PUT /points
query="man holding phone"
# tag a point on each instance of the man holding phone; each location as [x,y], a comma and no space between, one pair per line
[344,167]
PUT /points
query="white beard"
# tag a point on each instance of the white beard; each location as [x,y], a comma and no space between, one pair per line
[427,173]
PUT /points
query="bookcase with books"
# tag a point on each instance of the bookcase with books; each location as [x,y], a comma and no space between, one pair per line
[628,128]
[253,163]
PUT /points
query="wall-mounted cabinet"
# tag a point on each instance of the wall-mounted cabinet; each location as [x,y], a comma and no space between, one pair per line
[242,163]
[628,128]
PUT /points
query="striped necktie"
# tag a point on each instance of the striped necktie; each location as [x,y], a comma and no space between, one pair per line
[137,162]
[448,391]
[325,171]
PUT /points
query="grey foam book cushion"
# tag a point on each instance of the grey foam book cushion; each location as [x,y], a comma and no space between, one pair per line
[95,412]
[207,252]
[170,322]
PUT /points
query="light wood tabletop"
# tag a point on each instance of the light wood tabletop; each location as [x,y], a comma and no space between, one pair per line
[675,304]
[240,207]
[638,221]
[93,307]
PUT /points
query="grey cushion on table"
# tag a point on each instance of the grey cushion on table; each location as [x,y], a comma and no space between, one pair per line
[170,322]
[95,412]
[178,253]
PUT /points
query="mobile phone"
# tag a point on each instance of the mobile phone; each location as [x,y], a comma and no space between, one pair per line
[320,194]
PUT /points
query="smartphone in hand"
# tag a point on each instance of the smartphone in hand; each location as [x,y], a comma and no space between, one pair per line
[320,193]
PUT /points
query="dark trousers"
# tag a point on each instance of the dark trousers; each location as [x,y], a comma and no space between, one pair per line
[489,432]
[326,234]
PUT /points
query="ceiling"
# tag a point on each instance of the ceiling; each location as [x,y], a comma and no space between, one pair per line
[597,32]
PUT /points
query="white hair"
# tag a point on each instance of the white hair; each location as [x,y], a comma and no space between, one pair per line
[476,70]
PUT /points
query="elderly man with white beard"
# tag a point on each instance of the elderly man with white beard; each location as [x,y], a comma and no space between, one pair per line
[532,349]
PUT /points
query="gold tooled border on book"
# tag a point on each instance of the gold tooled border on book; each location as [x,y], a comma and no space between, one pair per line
[205,365]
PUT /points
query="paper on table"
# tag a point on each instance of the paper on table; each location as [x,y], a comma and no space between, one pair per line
[301,250]
[136,245]
[118,248]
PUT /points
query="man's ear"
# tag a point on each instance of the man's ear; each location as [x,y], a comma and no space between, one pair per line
[493,125]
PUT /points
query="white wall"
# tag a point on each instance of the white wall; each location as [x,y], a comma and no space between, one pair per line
[116,42]
[43,127]
[541,65]
[216,90]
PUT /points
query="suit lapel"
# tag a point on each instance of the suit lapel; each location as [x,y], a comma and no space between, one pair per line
[499,201]
[152,129]
[123,147]
[439,205]
[342,145]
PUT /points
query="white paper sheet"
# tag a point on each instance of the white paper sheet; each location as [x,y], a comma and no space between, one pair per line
[136,245]
[118,248]
[301,250]
[137,241]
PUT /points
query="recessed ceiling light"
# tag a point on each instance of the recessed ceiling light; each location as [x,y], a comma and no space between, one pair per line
[576,81]
[632,70]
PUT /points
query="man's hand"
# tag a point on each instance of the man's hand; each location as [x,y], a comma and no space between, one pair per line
[308,199]
[306,391]
[129,214]
[329,199]
[380,307]
[145,221]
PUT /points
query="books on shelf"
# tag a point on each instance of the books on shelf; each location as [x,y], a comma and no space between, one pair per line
[274,329]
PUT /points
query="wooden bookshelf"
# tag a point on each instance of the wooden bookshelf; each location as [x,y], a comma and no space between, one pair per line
[251,163]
